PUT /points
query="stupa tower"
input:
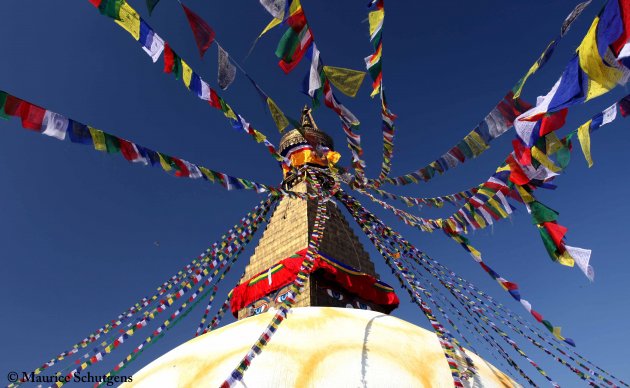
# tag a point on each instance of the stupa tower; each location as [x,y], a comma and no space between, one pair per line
[319,344]
[288,231]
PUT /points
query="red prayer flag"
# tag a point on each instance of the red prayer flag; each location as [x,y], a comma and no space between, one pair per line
[127,150]
[182,169]
[169,58]
[523,154]
[13,106]
[32,116]
[204,34]
[553,121]
[537,316]
[624,9]
[516,173]
[556,232]
[214,100]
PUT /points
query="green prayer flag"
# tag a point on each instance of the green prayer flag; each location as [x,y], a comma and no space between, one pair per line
[3,100]
[287,45]
[542,213]
[111,8]
[548,243]
[112,143]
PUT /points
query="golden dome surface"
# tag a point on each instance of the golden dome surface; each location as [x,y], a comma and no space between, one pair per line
[316,347]
[311,134]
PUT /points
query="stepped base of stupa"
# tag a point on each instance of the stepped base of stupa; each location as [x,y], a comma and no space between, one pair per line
[316,347]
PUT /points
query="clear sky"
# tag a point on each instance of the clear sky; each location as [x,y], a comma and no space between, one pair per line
[78,227]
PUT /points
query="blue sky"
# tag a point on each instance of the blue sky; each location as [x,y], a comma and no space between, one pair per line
[77,227]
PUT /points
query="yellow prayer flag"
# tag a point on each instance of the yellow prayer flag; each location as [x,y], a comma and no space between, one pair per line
[274,22]
[476,143]
[544,159]
[348,81]
[496,205]
[259,136]
[375,19]
[164,164]
[553,143]
[276,114]
[229,113]
[129,20]
[294,7]
[566,259]
[186,74]
[556,332]
[505,167]
[207,173]
[98,138]
[525,196]
[584,135]
[602,77]
[474,252]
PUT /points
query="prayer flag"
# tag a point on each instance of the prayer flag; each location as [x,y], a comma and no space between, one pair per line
[129,20]
[226,70]
[55,125]
[277,8]
[278,117]
[32,116]
[585,141]
[79,133]
[98,138]
[348,81]
[204,34]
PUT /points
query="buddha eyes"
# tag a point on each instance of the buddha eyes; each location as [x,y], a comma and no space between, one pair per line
[334,294]
[362,306]
[282,298]
[259,309]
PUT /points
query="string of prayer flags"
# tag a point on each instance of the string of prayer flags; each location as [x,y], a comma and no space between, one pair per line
[373,62]
[252,220]
[203,33]
[544,57]
[277,115]
[477,141]
[193,82]
[226,70]
[496,123]
[58,126]
[597,67]
[433,201]
[374,67]
[218,258]
[407,282]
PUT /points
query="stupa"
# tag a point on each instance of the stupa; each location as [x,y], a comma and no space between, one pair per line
[338,333]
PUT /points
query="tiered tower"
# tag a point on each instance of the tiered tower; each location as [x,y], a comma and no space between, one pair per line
[289,229]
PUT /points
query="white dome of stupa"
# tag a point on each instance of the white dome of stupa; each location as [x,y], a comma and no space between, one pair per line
[316,347]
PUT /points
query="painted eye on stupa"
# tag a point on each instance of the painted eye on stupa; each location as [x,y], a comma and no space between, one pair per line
[259,309]
[362,306]
[334,294]
[282,298]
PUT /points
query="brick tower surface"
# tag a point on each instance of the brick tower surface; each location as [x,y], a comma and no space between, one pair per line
[289,229]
